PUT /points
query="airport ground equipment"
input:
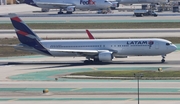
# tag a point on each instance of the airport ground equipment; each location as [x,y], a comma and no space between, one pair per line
[176,7]
[141,13]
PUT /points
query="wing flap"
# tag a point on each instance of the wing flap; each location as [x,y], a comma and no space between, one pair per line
[74,51]
[81,52]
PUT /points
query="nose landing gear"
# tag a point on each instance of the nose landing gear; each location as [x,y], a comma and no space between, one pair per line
[163,58]
[60,11]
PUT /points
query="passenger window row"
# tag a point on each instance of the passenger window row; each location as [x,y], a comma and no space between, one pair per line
[56,46]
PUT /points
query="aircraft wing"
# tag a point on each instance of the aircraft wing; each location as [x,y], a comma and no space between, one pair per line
[55,4]
[83,52]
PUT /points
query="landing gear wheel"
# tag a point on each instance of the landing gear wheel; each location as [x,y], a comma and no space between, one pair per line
[60,12]
[96,60]
[163,60]
[68,12]
[88,61]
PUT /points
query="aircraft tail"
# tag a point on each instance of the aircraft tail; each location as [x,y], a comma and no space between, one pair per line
[29,2]
[89,34]
[26,35]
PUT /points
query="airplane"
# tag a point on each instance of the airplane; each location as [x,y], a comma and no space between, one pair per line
[97,50]
[115,3]
[142,1]
[69,5]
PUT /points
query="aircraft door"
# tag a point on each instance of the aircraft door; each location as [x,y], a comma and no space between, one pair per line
[156,45]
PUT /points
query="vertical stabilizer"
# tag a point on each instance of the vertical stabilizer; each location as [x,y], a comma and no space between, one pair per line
[26,35]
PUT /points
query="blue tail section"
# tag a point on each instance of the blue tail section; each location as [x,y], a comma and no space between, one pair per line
[26,35]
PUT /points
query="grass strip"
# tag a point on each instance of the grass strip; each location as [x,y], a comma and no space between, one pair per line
[96,25]
[130,73]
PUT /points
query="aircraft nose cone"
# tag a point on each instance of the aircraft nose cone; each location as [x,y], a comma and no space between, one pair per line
[174,47]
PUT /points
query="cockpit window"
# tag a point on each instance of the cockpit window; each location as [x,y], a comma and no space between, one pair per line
[105,1]
[167,44]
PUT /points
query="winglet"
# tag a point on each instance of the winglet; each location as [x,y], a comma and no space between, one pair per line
[89,35]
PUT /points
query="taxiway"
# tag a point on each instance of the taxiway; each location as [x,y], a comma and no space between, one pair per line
[23,78]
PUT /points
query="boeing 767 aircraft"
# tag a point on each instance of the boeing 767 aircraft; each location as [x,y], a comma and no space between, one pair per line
[142,1]
[95,50]
[69,5]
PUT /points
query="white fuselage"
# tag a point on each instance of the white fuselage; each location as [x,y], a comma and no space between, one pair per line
[120,47]
[79,4]
[141,1]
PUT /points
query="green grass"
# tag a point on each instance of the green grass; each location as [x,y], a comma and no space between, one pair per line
[11,51]
[130,73]
[96,25]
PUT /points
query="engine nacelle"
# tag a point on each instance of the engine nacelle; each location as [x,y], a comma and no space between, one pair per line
[114,5]
[44,10]
[70,9]
[105,56]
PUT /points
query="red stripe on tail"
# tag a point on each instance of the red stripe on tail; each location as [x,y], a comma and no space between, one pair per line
[16,19]
[22,33]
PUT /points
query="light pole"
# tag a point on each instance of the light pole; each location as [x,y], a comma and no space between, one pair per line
[138,76]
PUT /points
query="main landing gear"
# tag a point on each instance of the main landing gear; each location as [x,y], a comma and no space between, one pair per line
[163,58]
[60,11]
[89,61]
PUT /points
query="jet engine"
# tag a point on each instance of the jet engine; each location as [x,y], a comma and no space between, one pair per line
[105,56]
[70,9]
[114,5]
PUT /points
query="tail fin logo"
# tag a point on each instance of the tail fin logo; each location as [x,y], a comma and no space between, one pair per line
[26,35]
[22,29]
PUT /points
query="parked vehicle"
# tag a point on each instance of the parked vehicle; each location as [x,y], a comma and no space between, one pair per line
[141,13]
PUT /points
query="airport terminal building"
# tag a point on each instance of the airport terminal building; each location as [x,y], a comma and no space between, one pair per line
[7,2]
